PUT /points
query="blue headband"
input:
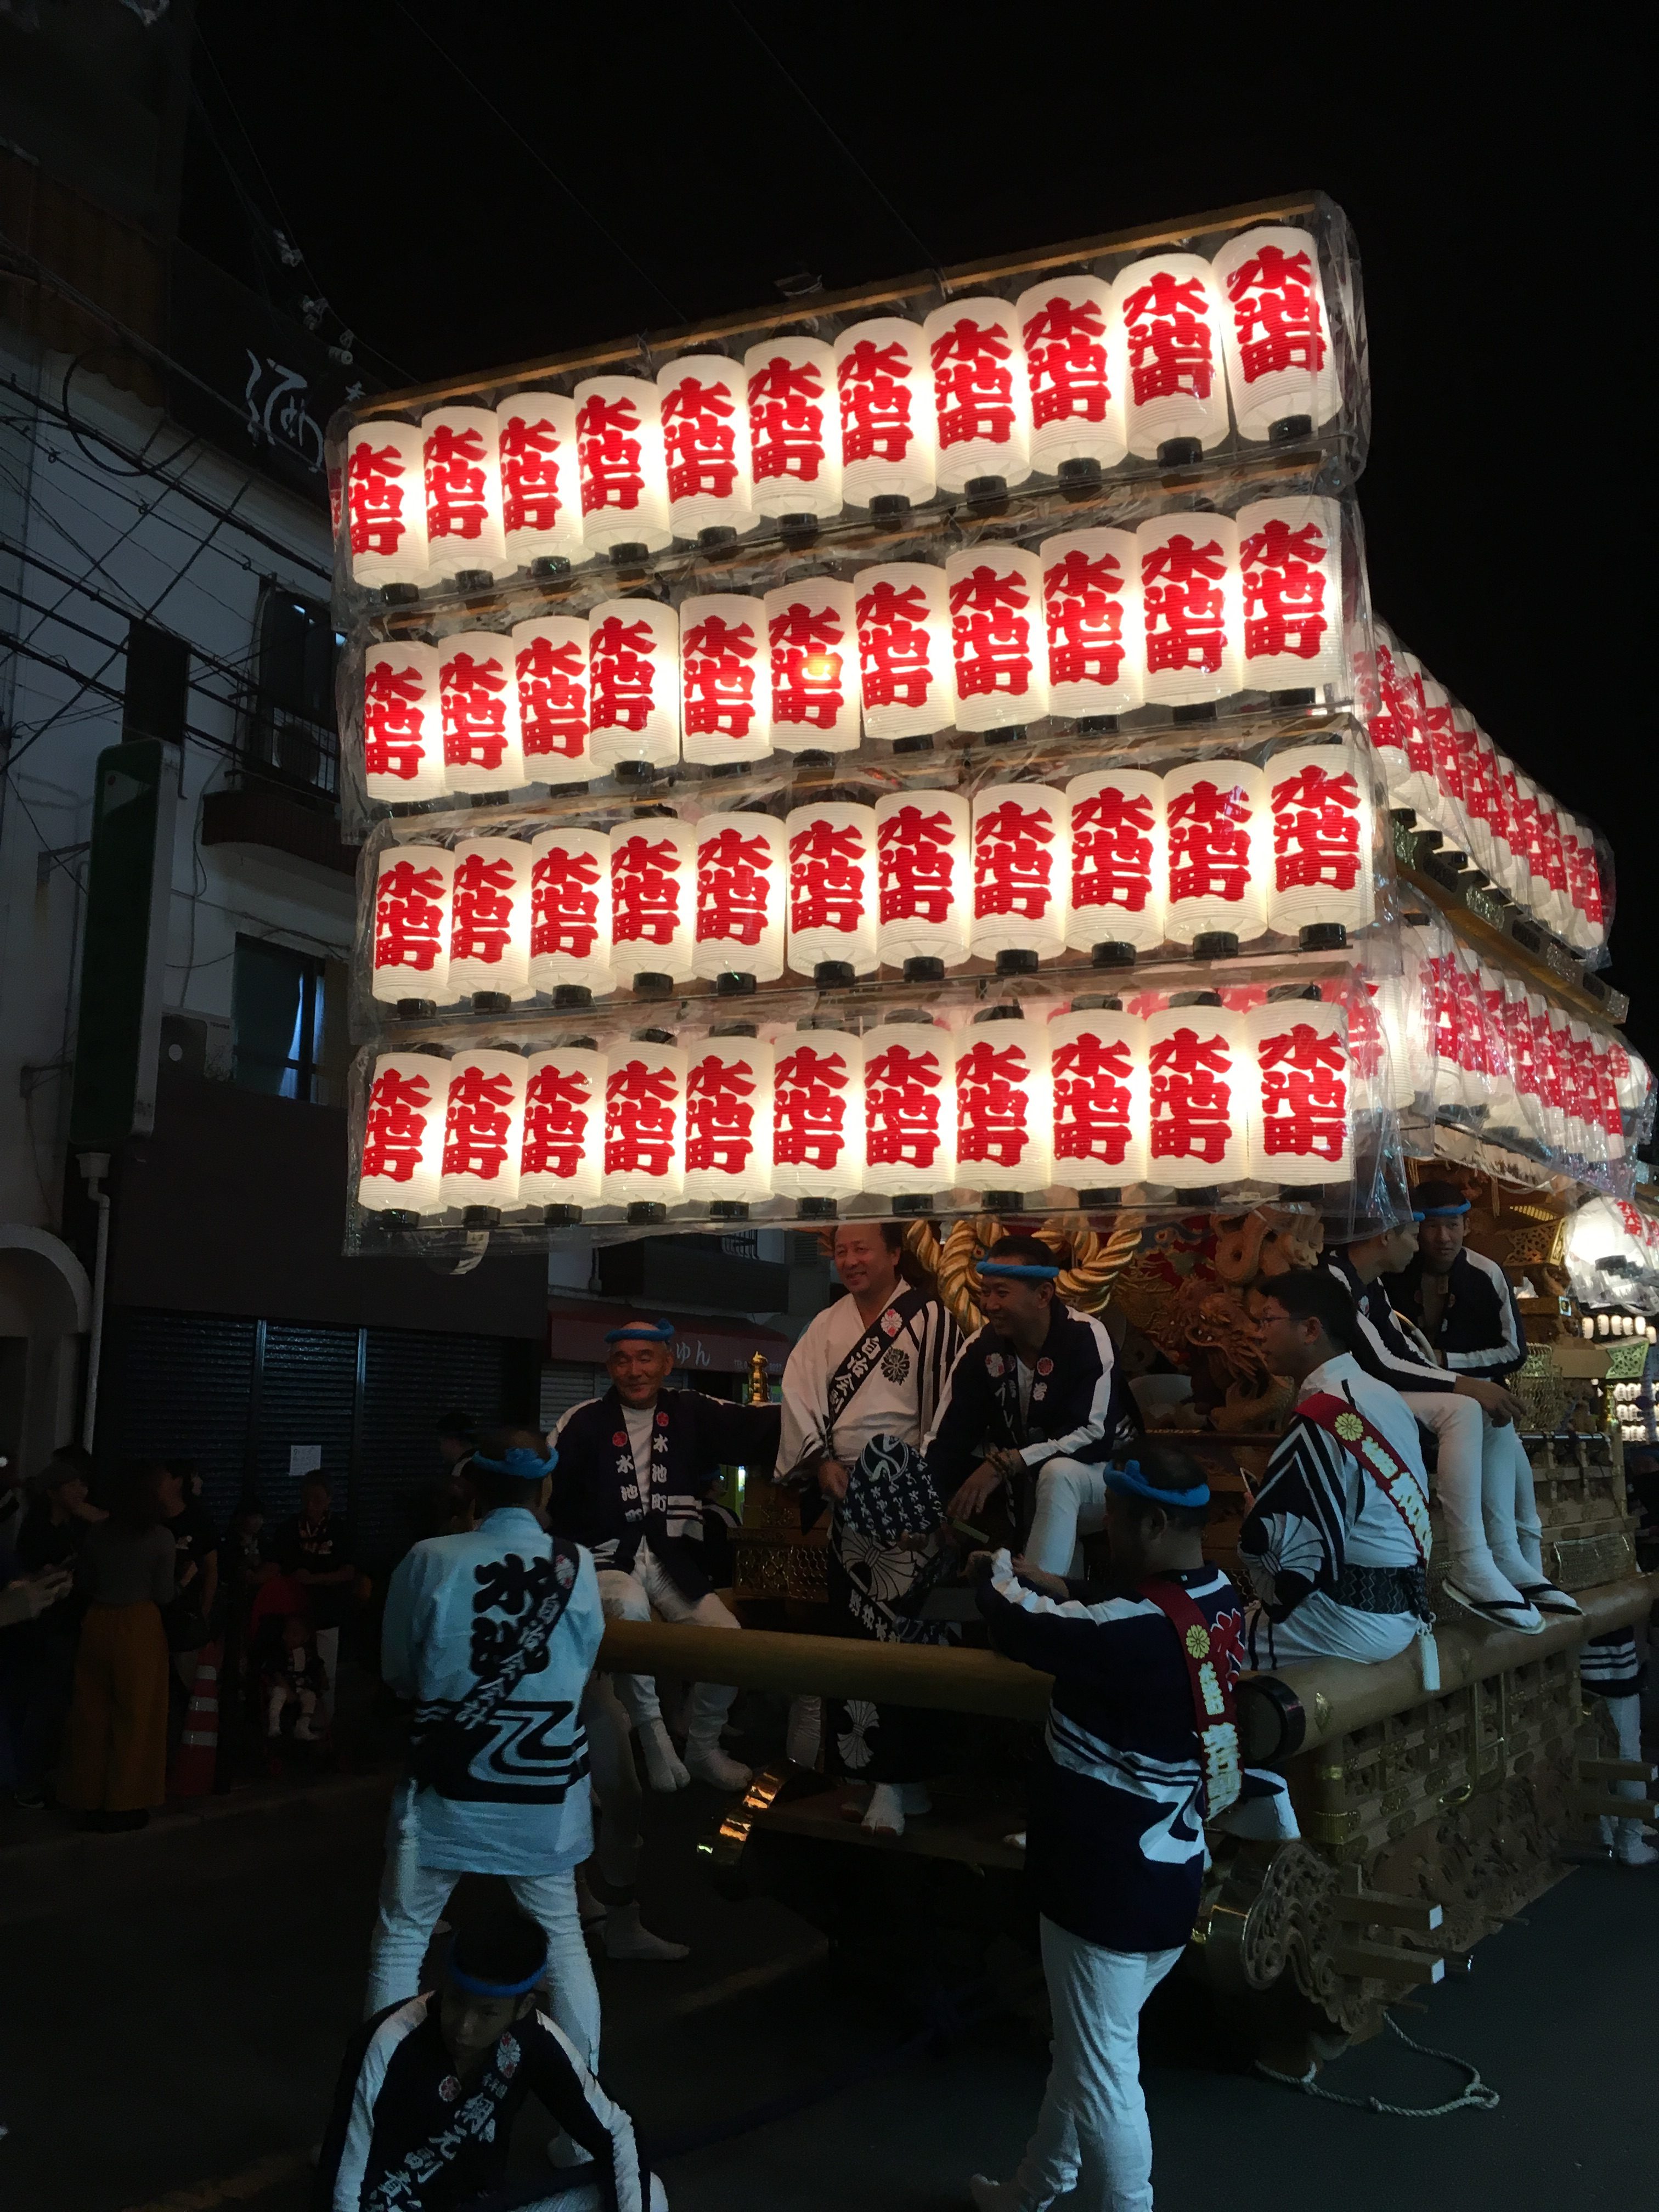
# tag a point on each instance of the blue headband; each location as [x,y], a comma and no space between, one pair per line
[1130,1482]
[520,1461]
[475,1987]
[641,1332]
[1017,1272]
[1442,1213]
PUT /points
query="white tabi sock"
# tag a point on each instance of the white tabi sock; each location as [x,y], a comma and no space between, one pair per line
[663,1764]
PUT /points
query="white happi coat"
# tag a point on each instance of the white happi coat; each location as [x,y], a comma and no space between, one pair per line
[898,1397]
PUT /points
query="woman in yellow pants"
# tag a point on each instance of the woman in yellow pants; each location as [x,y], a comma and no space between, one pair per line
[116,1748]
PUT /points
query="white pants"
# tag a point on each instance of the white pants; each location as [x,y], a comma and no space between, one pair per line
[1458,1425]
[649,1590]
[1508,1506]
[1092,2134]
[1070,1502]
[615,1781]
[1320,1628]
[412,1896]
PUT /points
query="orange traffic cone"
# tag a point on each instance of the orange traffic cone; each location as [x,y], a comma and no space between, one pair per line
[193,1763]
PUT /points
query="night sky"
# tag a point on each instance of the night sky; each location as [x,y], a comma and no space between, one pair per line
[1487,185]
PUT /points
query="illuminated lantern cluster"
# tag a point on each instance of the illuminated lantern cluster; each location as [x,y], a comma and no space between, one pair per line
[461,464]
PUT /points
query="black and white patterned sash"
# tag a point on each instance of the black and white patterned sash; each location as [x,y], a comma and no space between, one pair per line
[404,2189]
[500,1659]
[860,1363]
[681,1514]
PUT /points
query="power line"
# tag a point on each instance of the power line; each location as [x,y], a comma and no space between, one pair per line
[225,745]
[228,669]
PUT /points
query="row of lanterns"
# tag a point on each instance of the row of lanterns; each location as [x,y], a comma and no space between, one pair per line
[1075,373]
[1613,1247]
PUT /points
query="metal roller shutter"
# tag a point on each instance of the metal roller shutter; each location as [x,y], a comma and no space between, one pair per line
[409,1380]
[307,1385]
[565,1383]
[178,1385]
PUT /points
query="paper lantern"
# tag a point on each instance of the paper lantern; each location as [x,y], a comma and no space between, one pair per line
[1004,1102]
[1303,1128]
[811,626]
[1172,316]
[1506,1115]
[1019,870]
[1386,709]
[1277,330]
[490,918]
[905,649]
[1119,866]
[1484,777]
[1417,787]
[634,697]
[1516,1020]
[1191,609]
[1602,1062]
[410,959]
[726,679]
[386,504]
[981,393]
[570,910]
[460,455]
[541,483]
[1289,560]
[1476,839]
[1076,356]
[888,436]
[1321,834]
[549,661]
[402,722]
[623,470]
[728,1118]
[1220,843]
[1096,633]
[1201,1087]
[654,897]
[563,1152]
[705,434]
[999,636]
[1588,895]
[925,861]
[645,1123]
[1546,1066]
[817,1140]
[404,1133]
[833,896]
[909,1107]
[742,892]
[1591,1144]
[1098,1062]
[794,427]
[483,1127]
[1557,910]
[478,694]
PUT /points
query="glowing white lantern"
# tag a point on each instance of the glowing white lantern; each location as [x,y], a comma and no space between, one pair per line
[794,427]
[1220,843]
[1385,707]
[728,1118]
[386,504]
[1435,714]
[478,694]
[570,910]
[645,1123]
[1191,608]
[624,474]
[404,1133]
[1478,841]
[1290,559]
[411,954]
[1077,355]
[832,886]
[812,627]
[705,434]
[1548,1061]
[550,662]
[1505,1113]
[1585,884]
[1200,1092]
[1558,909]
[563,1149]
[726,679]
[1098,1059]
[1019,870]
[1606,1092]
[818,1128]
[489,919]
[888,436]
[1303,1123]
[925,861]
[483,1127]
[1119,867]
[541,485]
[742,892]
[1418,788]
[402,722]
[981,393]
[634,677]
[1091,594]
[1487,777]
[999,636]
[1279,358]
[654,897]
[909,1107]
[1321,839]
[1592,1145]
[1173,322]
[460,456]
[905,649]
[1004,1102]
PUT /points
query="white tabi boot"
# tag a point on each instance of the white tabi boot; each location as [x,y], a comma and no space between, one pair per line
[1630,1845]
[663,1766]
[890,1802]
[707,1708]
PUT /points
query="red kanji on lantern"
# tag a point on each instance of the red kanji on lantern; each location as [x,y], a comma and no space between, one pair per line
[991,1102]
[1185,610]
[1276,313]
[1112,850]
[623,674]
[810,1109]
[1064,344]
[1304,1094]
[826,877]
[530,475]
[1012,864]
[608,442]
[1316,829]
[564,902]
[557,1103]
[481,908]
[973,385]
[1189,1102]
[875,403]
[902,1101]
[645,890]
[639,1120]
[991,634]
[393,699]
[1084,601]
[552,697]
[475,712]
[718,671]
[786,420]
[732,888]
[700,434]
[718,1120]
[455,502]
[1284,589]
[893,645]
[409,917]
[1209,842]
[375,497]
[1092,1099]
[477,1127]
[806,685]
[398,1106]
[914,855]
[1170,344]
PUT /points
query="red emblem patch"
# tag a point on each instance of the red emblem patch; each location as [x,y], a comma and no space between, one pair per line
[1045,1367]
[619,1438]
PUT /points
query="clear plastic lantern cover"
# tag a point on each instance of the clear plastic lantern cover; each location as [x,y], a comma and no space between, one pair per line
[623,472]
[1277,330]
[634,677]
[541,485]
[705,434]
[1191,609]
[794,427]
[1076,356]
[1220,844]
[490,918]
[1019,870]
[742,893]
[1172,316]
[404,1133]
[1558,911]
[644,1123]
[570,910]
[1004,1105]
[817,1130]
[1488,777]
[1120,868]
[925,861]
[653,897]
[411,954]
[479,694]
[563,1154]
[483,1127]
[386,504]
[1588,896]
[1303,1123]
[1091,594]
[1506,1114]
[1481,847]
[1321,839]
[812,627]
[885,386]
[905,649]
[1201,1097]
[549,662]
[833,896]
[1098,1063]
[909,1107]
[460,452]
[1593,1142]
[728,1119]
[403,721]
[1387,709]
[1516,1021]
[999,636]
[726,679]
[1417,789]
[981,393]
[1289,560]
